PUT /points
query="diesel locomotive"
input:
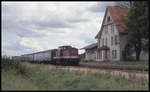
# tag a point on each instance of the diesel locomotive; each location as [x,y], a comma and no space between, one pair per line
[66,55]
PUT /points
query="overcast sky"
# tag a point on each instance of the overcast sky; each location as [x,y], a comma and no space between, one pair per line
[29,27]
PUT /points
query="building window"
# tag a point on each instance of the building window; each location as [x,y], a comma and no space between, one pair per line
[105,54]
[100,54]
[106,29]
[112,54]
[116,39]
[111,40]
[115,53]
[106,41]
[103,41]
[108,18]
[112,28]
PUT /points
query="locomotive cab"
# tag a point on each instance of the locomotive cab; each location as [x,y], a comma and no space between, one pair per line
[67,55]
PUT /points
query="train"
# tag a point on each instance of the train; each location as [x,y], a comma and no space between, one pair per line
[64,55]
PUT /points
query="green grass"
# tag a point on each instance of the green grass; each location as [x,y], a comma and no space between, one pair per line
[11,81]
[133,63]
[45,77]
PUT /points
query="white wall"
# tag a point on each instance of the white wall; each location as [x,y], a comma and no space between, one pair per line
[108,35]
[90,55]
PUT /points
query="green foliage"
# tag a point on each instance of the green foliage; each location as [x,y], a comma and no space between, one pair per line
[11,81]
[127,53]
[137,27]
[9,64]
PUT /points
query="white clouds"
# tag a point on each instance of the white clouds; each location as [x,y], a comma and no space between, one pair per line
[31,42]
[15,47]
[101,6]
[47,25]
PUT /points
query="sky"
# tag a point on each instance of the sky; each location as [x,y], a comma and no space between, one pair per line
[29,27]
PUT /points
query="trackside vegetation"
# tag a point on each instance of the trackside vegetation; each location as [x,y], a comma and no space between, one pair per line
[27,76]
[126,63]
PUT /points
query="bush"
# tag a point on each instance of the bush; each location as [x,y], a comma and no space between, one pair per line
[9,64]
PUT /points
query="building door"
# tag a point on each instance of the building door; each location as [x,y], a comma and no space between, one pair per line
[106,55]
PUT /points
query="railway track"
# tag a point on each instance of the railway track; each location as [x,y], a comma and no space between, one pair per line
[121,70]
[115,67]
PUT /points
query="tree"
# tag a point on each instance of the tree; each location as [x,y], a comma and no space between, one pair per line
[137,27]
[128,51]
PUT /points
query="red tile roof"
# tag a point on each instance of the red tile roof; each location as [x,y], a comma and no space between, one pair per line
[119,15]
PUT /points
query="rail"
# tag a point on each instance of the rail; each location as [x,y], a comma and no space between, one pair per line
[115,67]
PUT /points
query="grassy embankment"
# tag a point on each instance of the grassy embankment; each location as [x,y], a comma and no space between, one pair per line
[127,63]
[46,77]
